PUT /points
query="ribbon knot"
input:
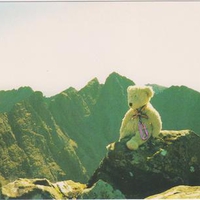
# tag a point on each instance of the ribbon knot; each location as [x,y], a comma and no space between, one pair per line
[139,113]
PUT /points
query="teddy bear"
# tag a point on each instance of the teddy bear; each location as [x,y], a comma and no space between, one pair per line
[142,120]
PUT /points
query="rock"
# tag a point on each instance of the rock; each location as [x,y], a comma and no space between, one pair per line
[41,189]
[44,189]
[158,165]
[30,189]
[179,192]
[70,189]
[101,190]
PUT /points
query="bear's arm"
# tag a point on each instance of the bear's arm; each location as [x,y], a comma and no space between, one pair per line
[125,120]
[156,122]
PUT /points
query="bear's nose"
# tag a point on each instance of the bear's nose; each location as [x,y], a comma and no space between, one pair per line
[130,104]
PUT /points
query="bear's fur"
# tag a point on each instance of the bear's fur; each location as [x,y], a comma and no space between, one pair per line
[138,101]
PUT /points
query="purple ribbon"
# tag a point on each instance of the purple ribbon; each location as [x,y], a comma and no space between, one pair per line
[143,131]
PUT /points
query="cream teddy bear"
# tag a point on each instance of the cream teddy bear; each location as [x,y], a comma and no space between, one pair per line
[141,121]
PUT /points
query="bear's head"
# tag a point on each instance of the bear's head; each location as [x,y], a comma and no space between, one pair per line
[139,96]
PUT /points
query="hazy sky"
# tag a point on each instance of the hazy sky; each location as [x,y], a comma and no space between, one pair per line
[52,46]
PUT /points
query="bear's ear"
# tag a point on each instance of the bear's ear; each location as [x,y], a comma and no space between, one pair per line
[149,91]
[129,88]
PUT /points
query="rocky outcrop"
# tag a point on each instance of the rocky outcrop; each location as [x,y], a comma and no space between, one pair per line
[156,166]
[44,189]
[179,192]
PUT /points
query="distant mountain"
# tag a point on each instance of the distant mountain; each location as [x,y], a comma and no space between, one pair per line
[157,88]
[65,136]
[179,108]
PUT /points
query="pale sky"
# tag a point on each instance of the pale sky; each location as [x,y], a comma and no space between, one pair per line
[51,46]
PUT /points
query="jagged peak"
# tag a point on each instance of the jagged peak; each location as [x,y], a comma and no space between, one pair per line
[70,90]
[25,88]
[92,83]
[114,77]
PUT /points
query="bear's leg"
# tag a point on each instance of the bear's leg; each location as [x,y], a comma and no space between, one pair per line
[135,142]
[132,144]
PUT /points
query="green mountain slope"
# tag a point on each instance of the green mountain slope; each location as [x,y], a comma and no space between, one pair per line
[13,160]
[179,108]
[42,149]
[111,106]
